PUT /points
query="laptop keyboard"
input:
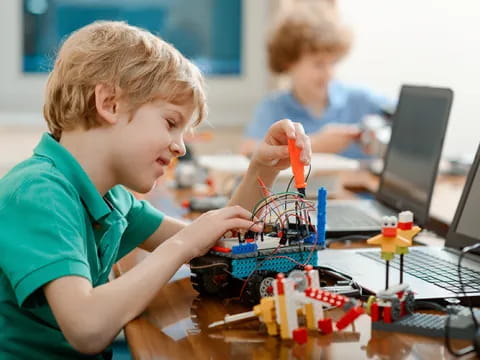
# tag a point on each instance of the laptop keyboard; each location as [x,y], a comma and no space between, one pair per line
[340,216]
[433,270]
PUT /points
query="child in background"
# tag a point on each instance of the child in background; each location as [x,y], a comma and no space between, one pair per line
[306,43]
[118,103]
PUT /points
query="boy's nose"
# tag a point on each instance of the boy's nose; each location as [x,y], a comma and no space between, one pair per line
[178,148]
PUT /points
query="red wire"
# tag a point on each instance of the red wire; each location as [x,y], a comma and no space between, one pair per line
[258,265]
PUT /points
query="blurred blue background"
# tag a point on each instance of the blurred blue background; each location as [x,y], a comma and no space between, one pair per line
[206,31]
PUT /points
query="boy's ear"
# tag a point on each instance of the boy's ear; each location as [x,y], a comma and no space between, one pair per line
[106,103]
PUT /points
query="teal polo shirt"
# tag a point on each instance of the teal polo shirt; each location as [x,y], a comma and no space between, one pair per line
[54,223]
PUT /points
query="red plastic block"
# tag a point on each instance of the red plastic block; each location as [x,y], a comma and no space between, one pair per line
[387,314]
[389,232]
[325,326]
[280,288]
[221,249]
[405,225]
[349,317]
[300,335]
[374,313]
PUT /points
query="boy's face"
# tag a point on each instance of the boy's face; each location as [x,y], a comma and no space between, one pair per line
[312,72]
[144,146]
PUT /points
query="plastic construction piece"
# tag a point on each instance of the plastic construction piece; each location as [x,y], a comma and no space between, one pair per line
[389,239]
[298,293]
[300,335]
[461,325]
[325,326]
[326,297]
[222,249]
[310,239]
[321,215]
[246,268]
[349,317]
[396,236]
[391,304]
[241,268]
[244,248]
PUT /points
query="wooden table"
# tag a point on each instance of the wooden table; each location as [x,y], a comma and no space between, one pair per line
[175,326]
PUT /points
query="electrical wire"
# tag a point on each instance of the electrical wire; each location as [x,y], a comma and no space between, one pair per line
[266,192]
[299,203]
[468,349]
[338,274]
[255,223]
[207,266]
[306,178]
[305,204]
[460,279]
[269,198]
[269,203]
[257,208]
[255,269]
[195,267]
[272,256]
[428,305]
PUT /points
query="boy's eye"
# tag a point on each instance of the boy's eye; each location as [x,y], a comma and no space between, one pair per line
[171,123]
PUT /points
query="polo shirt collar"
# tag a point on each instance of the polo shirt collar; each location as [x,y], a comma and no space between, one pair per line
[73,171]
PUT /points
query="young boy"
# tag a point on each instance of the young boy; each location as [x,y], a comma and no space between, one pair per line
[118,103]
[306,43]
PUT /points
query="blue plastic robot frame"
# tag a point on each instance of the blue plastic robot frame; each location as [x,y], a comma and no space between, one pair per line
[246,267]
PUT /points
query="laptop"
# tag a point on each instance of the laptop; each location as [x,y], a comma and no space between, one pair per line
[411,163]
[430,271]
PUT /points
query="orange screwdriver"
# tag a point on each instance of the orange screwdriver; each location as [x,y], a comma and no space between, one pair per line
[297,166]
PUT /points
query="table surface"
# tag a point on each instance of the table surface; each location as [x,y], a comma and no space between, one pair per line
[175,324]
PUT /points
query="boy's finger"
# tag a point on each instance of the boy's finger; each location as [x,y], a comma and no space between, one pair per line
[276,152]
[306,153]
[236,211]
[238,223]
[285,126]
[299,130]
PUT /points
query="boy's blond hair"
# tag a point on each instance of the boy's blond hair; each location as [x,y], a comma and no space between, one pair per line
[307,27]
[138,65]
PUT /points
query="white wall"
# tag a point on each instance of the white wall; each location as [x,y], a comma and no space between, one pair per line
[430,42]
[231,99]
[425,42]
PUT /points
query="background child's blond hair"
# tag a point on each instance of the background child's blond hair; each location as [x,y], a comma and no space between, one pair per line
[138,65]
[307,27]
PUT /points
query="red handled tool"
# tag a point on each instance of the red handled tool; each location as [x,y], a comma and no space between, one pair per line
[297,166]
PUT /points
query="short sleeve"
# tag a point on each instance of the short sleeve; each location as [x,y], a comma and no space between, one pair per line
[143,219]
[42,235]
[264,116]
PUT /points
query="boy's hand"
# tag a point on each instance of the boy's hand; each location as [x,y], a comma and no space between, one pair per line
[198,237]
[335,138]
[273,150]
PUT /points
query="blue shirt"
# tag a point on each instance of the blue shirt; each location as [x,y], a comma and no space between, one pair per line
[346,105]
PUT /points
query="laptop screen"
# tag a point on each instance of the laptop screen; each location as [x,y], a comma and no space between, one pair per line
[413,154]
[465,227]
